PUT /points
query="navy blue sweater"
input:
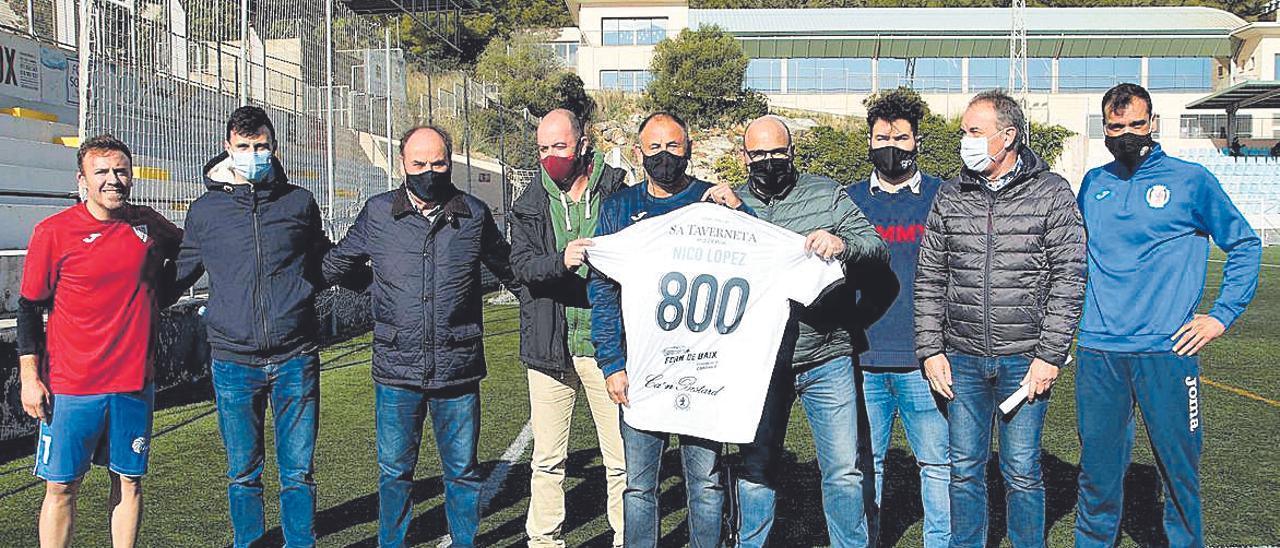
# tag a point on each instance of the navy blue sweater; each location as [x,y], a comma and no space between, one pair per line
[884,309]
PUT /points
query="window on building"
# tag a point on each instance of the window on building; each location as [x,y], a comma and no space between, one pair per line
[993,72]
[633,32]
[833,75]
[567,52]
[1097,73]
[922,74]
[632,81]
[1203,126]
[1180,73]
[764,75]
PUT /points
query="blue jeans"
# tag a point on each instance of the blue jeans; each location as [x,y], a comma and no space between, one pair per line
[829,395]
[699,459]
[1166,387]
[980,384]
[455,420]
[905,393]
[242,393]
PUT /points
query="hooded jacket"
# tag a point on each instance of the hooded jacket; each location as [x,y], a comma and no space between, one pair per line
[262,245]
[428,330]
[1001,273]
[538,264]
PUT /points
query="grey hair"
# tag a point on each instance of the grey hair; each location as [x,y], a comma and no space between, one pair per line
[1008,111]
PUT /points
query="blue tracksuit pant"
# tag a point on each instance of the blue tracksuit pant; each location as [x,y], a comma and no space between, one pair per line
[1166,387]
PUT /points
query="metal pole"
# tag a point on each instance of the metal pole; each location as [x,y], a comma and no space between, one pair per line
[31,18]
[242,92]
[84,56]
[387,81]
[328,115]
[502,165]
[466,123]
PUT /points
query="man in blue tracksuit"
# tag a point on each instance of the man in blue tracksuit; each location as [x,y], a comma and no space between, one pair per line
[664,152]
[1149,218]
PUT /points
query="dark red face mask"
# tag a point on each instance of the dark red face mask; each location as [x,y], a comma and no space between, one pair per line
[561,169]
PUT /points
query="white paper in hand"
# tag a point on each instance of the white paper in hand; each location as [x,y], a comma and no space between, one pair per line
[1017,398]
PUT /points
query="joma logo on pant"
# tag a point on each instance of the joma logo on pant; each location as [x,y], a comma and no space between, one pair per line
[1193,403]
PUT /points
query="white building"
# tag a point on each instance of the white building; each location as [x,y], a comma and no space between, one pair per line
[829,60]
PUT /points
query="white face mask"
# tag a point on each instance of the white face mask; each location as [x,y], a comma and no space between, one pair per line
[973,151]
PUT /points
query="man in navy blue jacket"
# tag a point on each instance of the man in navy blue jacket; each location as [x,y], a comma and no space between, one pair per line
[664,151]
[427,241]
[1150,217]
[261,239]
[896,199]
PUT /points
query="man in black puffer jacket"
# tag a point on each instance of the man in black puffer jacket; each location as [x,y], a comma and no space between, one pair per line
[998,294]
[261,239]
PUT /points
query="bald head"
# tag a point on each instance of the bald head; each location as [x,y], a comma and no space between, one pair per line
[559,133]
[766,137]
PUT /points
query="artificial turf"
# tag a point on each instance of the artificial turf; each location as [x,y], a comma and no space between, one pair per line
[186,503]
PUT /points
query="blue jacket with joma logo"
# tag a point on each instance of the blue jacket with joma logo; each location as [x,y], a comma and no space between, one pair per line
[1148,250]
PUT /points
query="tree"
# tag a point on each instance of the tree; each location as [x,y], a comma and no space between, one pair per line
[698,75]
[842,154]
[529,75]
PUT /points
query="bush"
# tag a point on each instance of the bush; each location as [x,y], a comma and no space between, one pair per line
[698,76]
[729,169]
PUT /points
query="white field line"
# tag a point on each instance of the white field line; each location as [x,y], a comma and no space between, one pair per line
[1265,265]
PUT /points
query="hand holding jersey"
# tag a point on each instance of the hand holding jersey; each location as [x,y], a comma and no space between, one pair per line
[702,345]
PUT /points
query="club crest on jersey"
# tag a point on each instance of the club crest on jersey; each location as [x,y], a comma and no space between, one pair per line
[1157,196]
[141,232]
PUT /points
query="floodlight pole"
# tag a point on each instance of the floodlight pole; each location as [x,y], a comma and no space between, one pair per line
[328,115]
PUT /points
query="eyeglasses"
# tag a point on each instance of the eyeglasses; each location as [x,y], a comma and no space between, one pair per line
[758,155]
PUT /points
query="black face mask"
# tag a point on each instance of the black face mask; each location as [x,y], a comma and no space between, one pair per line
[771,177]
[1130,148]
[429,186]
[893,162]
[666,169]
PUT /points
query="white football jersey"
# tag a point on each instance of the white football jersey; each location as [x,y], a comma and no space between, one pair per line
[705,293]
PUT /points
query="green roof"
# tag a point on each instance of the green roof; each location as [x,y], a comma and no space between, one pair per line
[976,32]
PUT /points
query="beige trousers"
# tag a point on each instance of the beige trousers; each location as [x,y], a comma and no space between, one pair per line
[551,403]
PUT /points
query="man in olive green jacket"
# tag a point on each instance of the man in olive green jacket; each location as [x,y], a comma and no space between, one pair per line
[815,362]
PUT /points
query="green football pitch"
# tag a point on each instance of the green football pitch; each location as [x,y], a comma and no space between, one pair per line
[186,503]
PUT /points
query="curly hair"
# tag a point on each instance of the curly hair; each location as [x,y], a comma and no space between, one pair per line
[898,104]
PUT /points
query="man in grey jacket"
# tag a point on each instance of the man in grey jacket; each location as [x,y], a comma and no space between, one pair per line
[816,358]
[998,294]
